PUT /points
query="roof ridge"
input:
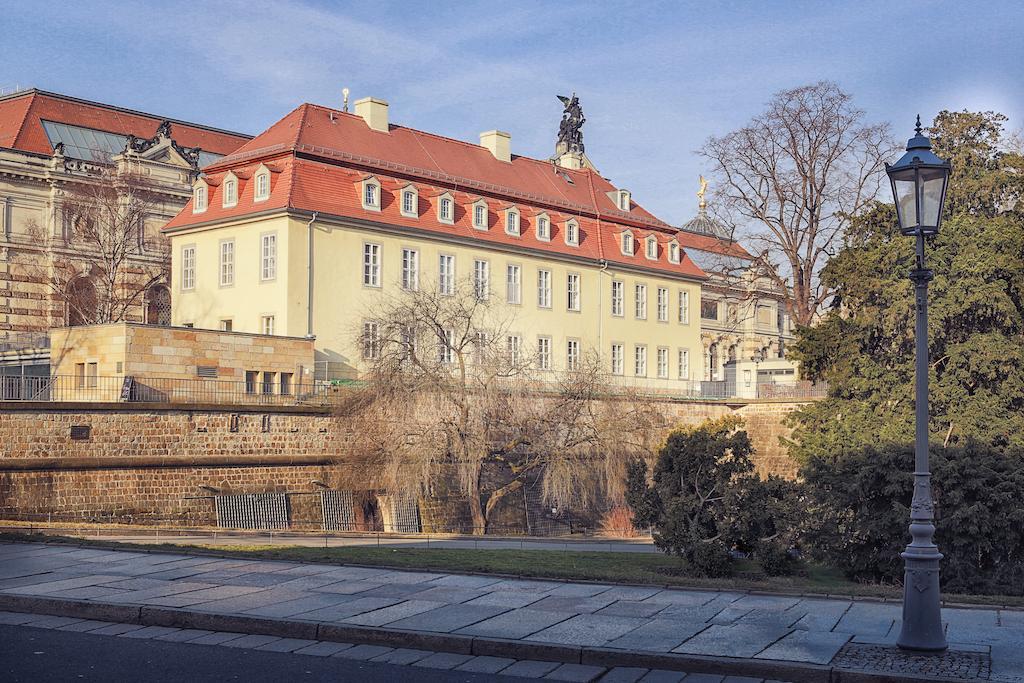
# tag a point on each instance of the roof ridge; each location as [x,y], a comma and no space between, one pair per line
[21,126]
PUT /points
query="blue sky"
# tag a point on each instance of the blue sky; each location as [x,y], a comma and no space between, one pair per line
[655,79]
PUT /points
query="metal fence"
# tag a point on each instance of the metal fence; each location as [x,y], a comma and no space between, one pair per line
[159,390]
[792,390]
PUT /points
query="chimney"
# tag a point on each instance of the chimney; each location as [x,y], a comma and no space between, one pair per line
[374,112]
[498,143]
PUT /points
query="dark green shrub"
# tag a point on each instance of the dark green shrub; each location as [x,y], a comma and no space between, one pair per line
[711,559]
[776,559]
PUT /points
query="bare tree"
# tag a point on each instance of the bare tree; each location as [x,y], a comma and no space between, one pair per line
[794,175]
[452,401]
[100,278]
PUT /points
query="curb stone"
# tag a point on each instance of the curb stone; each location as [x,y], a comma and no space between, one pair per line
[797,672]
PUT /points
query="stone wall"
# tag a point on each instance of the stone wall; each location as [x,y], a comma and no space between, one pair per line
[144,462]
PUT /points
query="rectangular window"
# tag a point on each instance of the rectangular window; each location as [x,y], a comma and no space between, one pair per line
[262,185]
[188,267]
[543,228]
[513,346]
[446,274]
[708,309]
[371,340]
[91,375]
[446,209]
[268,266]
[409,203]
[480,347]
[370,194]
[572,233]
[662,305]
[618,293]
[250,381]
[410,269]
[80,375]
[286,384]
[684,364]
[268,382]
[640,361]
[409,347]
[481,279]
[662,363]
[230,193]
[572,293]
[544,353]
[684,308]
[199,200]
[512,222]
[572,354]
[544,288]
[480,216]
[618,360]
[446,346]
[514,284]
[226,325]
[267,324]
[227,263]
[371,265]
[652,248]
[641,302]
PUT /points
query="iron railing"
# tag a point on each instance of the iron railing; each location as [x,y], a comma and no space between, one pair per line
[159,390]
[792,390]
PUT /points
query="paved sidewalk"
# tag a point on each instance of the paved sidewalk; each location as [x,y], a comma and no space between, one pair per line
[546,614]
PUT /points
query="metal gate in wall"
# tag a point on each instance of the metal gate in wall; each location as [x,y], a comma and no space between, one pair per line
[338,508]
[253,511]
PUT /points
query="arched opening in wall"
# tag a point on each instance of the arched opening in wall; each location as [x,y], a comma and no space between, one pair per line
[732,354]
[158,305]
[81,302]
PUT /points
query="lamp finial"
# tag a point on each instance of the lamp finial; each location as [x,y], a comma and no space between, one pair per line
[917,128]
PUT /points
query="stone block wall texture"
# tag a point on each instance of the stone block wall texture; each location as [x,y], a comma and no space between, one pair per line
[151,461]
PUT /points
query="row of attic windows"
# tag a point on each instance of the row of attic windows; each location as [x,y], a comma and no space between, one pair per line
[410,202]
[229,196]
[628,247]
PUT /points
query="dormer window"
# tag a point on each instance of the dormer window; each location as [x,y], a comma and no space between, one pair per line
[199,198]
[230,191]
[673,252]
[627,243]
[572,233]
[512,221]
[261,187]
[410,202]
[652,248]
[371,194]
[480,215]
[446,209]
[624,200]
[543,227]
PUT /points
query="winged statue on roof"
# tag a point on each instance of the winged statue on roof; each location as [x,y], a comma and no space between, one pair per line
[570,130]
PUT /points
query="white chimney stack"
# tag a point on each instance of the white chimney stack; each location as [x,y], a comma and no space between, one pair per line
[499,143]
[374,112]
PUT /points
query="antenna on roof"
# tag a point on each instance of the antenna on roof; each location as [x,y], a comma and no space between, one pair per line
[344,102]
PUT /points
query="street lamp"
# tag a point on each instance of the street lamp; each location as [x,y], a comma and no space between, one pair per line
[919,182]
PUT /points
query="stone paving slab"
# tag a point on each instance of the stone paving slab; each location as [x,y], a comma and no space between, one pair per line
[248,601]
[588,605]
[217,638]
[291,608]
[660,635]
[184,635]
[530,668]
[448,618]
[663,676]
[588,629]
[510,599]
[348,608]
[579,590]
[624,674]
[286,645]
[150,632]
[515,624]
[740,640]
[376,589]
[364,652]
[402,656]
[324,649]
[348,587]
[578,673]
[805,646]
[628,608]
[486,665]
[64,584]
[386,615]
[443,660]
[194,597]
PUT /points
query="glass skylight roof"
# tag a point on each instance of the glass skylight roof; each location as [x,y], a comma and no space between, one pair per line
[89,144]
[716,263]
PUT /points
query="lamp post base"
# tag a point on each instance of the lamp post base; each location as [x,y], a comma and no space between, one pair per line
[922,629]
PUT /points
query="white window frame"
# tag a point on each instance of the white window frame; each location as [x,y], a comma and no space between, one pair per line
[543,288]
[229,200]
[640,360]
[684,364]
[446,346]
[624,197]
[446,274]
[370,340]
[200,198]
[543,352]
[446,200]
[572,232]
[377,191]
[268,257]
[543,227]
[618,359]
[514,283]
[410,269]
[662,304]
[512,224]
[261,185]
[573,287]
[626,244]
[480,221]
[662,360]
[618,298]
[640,301]
[414,211]
[372,264]
[673,252]
[188,267]
[684,307]
[267,324]
[514,348]
[572,354]
[651,248]
[227,263]
[481,279]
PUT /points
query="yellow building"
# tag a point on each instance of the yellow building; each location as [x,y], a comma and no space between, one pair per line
[304,229]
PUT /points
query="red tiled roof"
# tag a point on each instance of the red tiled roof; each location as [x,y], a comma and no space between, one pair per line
[21,128]
[324,154]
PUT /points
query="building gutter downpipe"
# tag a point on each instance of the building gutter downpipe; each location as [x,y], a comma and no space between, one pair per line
[309,277]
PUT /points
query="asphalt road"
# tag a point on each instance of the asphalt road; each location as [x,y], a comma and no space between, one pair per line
[34,655]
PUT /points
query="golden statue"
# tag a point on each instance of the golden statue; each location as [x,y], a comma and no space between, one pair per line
[700,193]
